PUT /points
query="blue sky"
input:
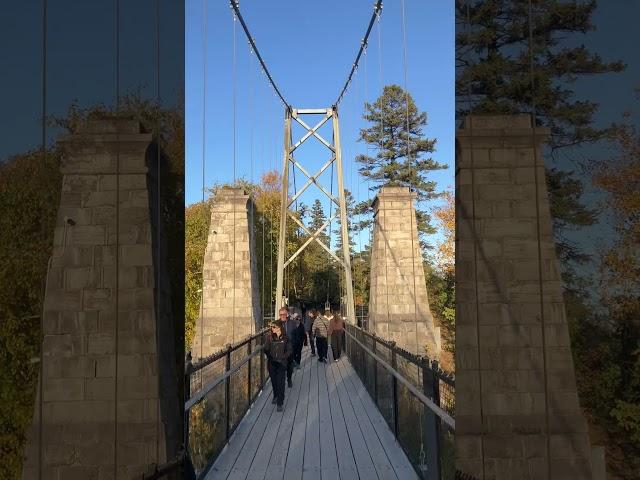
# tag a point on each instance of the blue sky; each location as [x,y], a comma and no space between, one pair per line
[309,48]
[83,71]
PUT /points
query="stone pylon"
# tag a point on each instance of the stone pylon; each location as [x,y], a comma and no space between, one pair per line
[517,409]
[398,300]
[230,309]
[102,410]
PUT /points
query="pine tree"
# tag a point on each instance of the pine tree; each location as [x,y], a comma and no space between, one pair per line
[493,75]
[494,70]
[317,220]
[492,49]
[402,155]
[350,204]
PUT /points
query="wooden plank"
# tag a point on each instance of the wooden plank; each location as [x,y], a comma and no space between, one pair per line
[328,456]
[277,461]
[376,450]
[243,463]
[248,426]
[346,462]
[361,453]
[260,460]
[311,464]
[295,454]
[396,455]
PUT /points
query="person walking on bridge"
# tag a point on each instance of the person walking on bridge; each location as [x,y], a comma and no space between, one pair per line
[278,350]
[300,336]
[321,333]
[289,328]
[308,328]
[336,331]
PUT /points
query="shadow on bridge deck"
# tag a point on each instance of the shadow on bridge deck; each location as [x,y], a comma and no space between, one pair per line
[330,429]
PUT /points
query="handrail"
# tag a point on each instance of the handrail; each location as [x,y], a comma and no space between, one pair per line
[423,398]
[228,403]
[446,377]
[195,398]
[203,362]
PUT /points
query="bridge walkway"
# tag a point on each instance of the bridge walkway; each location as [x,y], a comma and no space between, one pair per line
[330,429]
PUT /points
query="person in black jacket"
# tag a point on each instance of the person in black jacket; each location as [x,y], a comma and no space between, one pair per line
[290,329]
[299,340]
[278,349]
[308,327]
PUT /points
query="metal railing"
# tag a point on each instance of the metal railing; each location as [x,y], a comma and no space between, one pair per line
[219,391]
[415,396]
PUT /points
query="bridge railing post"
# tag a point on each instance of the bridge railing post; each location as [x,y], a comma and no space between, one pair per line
[261,362]
[227,394]
[431,389]
[394,364]
[187,395]
[375,371]
[250,398]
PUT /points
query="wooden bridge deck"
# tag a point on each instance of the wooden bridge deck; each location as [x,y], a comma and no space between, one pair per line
[330,429]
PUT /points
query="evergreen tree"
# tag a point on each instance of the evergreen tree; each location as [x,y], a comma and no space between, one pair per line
[321,270]
[492,49]
[494,76]
[350,204]
[361,268]
[317,220]
[495,64]
[402,155]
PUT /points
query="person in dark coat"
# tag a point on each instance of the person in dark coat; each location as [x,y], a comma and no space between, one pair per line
[336,332]
[320,333]
[290,330]
[300,335]
[308,327]
[278,350]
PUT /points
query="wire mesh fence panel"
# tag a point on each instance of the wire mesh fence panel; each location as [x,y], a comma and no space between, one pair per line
[411,428]
[448,397]
[199,378]
[405,396]
[256,381]
[238,387]
[447,452]
[410,370]
[369,377]
[207,373]
[385,386]
[207,433]
[223,387]
[413,432]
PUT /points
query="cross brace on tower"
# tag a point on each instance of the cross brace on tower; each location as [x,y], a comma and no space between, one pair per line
[336,157]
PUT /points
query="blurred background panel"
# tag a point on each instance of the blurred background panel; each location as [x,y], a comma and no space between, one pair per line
[92,296]
[571,68]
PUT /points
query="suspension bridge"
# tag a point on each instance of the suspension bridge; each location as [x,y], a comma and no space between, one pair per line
[383,411]
[108,404]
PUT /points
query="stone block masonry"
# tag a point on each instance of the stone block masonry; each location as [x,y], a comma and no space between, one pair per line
[399,304]
[99,410]
[230,309]
[517,409]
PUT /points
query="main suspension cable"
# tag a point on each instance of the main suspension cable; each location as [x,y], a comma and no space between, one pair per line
[376,10]
[236,8]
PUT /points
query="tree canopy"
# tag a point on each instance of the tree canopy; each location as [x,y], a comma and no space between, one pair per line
[402,151]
